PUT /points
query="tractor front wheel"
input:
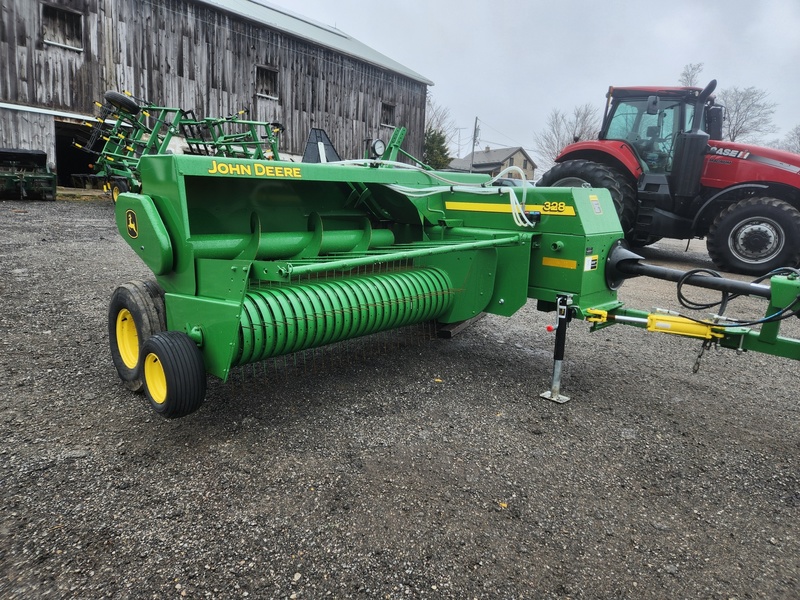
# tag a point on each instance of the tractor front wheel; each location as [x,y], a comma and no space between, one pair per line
[755,236]
[174,374]
[136,312]
[585,173]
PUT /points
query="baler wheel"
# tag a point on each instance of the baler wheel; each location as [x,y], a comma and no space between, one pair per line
[136,312]
[174,374]
[157,297]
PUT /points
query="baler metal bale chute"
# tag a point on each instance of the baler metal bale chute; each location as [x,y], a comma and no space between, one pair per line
[257,259]
[131,128]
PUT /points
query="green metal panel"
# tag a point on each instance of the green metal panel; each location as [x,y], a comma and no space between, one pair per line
[212,323]
[139,223]
[578,228]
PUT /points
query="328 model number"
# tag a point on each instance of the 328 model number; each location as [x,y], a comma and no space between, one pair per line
[554,207]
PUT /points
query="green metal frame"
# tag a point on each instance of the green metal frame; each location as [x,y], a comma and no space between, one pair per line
[129,137]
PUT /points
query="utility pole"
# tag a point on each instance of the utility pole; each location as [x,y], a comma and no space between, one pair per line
[459,130]
[475,132]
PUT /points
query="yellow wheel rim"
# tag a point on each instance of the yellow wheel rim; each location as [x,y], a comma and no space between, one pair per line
[127,338]
[155,379]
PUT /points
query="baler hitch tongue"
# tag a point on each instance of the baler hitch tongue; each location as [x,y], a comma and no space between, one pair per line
[661,321]
[756,334]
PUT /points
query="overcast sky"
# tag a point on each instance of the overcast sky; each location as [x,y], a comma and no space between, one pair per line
[510,62]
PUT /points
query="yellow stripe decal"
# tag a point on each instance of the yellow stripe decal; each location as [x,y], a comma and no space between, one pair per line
[550,208]
[559,262]
[479,207]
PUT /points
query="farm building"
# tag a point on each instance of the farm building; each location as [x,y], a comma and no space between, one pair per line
[214,57]
[493,160]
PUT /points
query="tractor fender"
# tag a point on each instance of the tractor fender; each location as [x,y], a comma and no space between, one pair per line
[703,210]
[614,153]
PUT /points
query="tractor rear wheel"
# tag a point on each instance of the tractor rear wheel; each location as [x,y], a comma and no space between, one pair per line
[755,236]
[585,173]
[174,374]
[135,313]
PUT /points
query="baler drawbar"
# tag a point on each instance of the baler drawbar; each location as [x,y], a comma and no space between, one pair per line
[255,259]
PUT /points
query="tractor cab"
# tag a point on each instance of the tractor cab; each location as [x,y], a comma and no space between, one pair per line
[666,130]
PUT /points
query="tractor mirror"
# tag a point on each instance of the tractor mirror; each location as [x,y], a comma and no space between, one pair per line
[652,105]
[714,118]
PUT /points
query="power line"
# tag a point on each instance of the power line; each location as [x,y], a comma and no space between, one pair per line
[516,143]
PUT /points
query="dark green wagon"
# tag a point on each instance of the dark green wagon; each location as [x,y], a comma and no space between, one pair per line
[26,175]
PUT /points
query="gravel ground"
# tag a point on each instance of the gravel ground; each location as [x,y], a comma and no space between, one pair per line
[399,466]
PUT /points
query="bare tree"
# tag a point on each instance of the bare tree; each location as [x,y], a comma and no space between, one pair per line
[748,113]
[563,129]
[690,76]
[437,118]
[790,142]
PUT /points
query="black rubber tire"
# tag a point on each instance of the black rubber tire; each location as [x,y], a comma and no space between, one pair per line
[174,374]
[157,296]
[755,236]
[136,312]
[573,173]
[118,187]
[122,102]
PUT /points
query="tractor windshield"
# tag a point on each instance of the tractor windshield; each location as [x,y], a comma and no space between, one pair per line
[651,134]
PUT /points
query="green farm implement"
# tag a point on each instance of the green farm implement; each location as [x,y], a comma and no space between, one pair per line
[130,129]
[26,174]
[255,259]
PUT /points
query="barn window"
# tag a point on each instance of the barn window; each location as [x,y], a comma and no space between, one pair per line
[267,82]
[387,114]
[62,27]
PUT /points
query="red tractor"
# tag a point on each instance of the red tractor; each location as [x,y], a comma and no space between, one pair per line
[661,156]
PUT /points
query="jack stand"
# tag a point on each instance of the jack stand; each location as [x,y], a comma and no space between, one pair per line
[564,317]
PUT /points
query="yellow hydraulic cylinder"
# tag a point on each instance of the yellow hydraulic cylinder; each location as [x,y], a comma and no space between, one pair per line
[661,322]
[681,326]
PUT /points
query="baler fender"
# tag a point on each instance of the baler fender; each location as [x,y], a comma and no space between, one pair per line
[140,224]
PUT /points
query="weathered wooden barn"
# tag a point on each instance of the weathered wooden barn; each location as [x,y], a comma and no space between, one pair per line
[215,57]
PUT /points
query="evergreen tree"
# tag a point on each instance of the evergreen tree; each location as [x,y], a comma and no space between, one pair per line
[436,154]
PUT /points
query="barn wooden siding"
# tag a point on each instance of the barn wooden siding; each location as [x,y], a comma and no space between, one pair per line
[188,54]
[27,130]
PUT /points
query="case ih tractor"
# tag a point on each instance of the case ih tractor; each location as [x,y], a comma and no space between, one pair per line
[670,174]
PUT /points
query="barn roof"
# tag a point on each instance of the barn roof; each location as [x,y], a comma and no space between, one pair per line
[302,27]
[486,160]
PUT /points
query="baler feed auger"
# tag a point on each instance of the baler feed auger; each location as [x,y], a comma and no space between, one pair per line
[255,259]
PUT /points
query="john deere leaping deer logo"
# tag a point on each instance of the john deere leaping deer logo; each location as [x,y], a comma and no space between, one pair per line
[132,225]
